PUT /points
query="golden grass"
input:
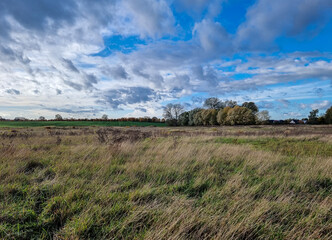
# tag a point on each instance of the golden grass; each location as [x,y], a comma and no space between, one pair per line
[181,183]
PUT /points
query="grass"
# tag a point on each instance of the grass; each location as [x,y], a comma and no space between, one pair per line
[187,183]
[16,124]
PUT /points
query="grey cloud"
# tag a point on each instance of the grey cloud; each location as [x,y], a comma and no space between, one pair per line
[13,91]
[70,65]
[39,14]
[267,20]
[126,96]
[8,54]
[155,18]
[141,109]
[213,38]
[117,72]
[75,86]
[73,110]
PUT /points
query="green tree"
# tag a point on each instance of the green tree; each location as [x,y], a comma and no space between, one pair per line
[251,105]
[191,116]
[328,116]
[198,118]
[313,116]
[240,116]
[209,117]
[184,119]
[222,115]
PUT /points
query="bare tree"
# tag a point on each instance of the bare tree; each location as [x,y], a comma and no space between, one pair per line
[230,103]
[58,117]
[172,112]
[104,117]
[42,118]
[263,116]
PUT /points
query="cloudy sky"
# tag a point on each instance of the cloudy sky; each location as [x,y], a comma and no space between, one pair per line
[84,58]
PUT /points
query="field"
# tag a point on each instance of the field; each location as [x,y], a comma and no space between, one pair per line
[254,182]
[77,124]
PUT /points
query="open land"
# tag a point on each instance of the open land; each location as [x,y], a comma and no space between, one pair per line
[253,182]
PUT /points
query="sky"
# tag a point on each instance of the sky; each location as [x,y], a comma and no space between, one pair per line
[83,58]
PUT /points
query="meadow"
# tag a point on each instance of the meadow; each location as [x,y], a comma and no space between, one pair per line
[253,182]
[78,124]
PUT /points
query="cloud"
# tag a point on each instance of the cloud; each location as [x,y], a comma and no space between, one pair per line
[13,91]
[284,102]
[266,20]
[321,105]
[117,72]
[132,55]
[197,8]
[70,66]
[38,15]
[132,95]
[213,37]
[153,17]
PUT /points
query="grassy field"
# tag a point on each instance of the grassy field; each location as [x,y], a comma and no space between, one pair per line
[76,123]
[259,182]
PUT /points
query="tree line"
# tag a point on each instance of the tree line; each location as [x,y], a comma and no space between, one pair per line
[218,112]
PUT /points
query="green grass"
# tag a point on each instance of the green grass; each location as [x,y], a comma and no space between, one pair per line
[287,146]
[190,187]
[76,123]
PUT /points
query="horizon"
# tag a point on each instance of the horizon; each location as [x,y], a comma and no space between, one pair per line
[131,58]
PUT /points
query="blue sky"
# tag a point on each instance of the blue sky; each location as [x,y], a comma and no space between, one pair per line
[130,58]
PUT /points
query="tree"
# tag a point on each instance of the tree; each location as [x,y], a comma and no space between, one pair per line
[198,118]
[313,118]
[209,117]
[184,119]
[191,116]
[263,116]
[328,116]
[58,117]
[251,105]
[230,103]
[104,117]
[222,114]
[213,103]
[240,116]
[42,118]
[172,113]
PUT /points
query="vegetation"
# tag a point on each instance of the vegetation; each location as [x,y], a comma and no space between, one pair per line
[217,112]
[253,182]
[77,123]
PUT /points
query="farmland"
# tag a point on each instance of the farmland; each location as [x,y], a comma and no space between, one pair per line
[93,182]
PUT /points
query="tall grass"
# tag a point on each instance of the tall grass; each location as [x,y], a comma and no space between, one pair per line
[164,184]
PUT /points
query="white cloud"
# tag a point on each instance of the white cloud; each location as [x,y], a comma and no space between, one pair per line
[321,105]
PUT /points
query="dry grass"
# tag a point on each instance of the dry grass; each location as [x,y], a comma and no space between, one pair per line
[170,183]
